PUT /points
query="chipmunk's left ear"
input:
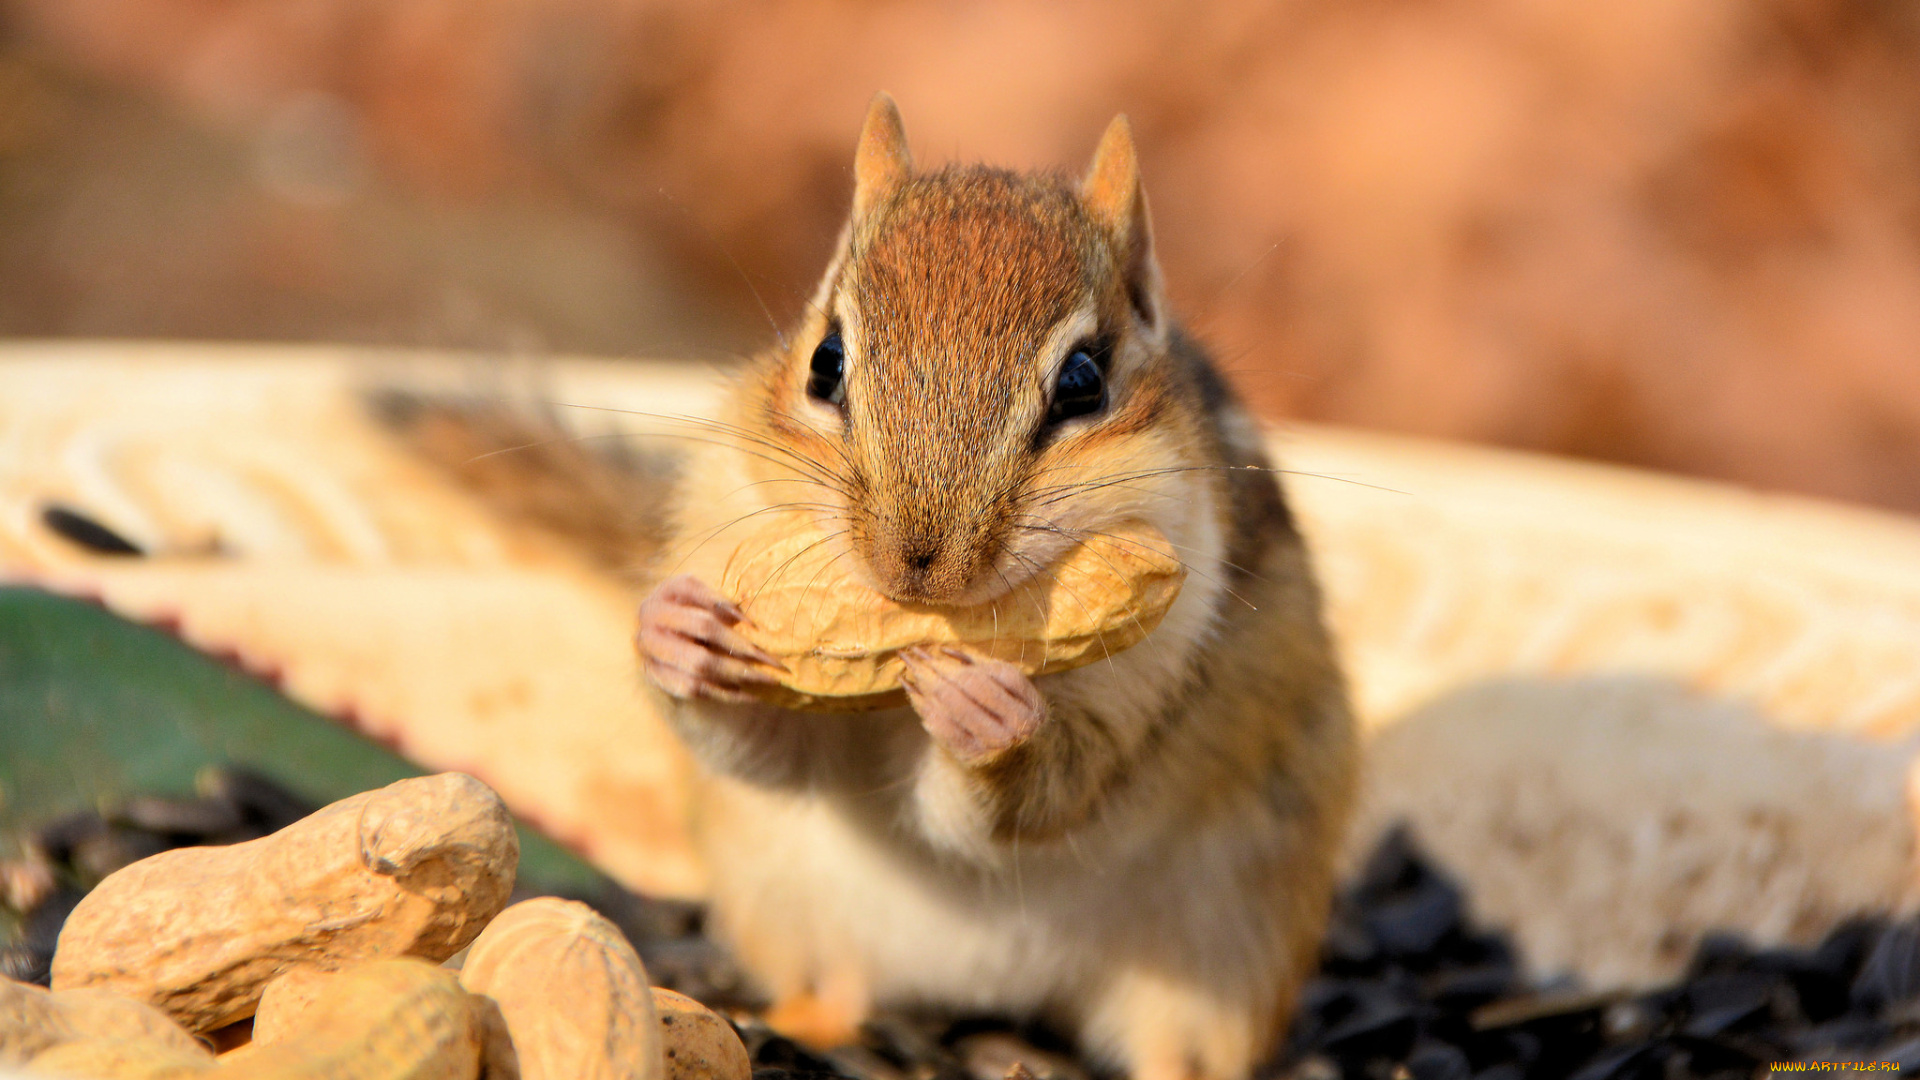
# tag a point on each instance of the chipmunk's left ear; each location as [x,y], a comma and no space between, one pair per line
[1113,193]
[882,163]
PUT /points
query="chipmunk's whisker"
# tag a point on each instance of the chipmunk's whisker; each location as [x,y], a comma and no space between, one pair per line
[707,536]
[1080,534]
[796,556]
[1174,469]
[793,458]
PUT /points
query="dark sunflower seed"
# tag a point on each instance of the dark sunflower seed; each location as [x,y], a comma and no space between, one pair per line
[77,527]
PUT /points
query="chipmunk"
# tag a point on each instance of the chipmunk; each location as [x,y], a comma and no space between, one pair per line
[1142,849]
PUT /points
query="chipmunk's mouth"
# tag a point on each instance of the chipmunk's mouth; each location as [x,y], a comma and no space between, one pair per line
[915,582]
[939,569]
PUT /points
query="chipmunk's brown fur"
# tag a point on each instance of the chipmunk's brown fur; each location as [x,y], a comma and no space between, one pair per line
[1147,854]
[1150,858]
[603,502]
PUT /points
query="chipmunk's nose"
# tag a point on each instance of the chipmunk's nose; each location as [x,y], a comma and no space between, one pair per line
[928,572]
[927,566]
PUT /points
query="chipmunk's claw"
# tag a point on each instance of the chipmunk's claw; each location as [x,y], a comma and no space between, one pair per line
[973,705]
[691,648]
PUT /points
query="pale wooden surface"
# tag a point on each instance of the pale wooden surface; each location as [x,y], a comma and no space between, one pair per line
[379,592]
[1477,562]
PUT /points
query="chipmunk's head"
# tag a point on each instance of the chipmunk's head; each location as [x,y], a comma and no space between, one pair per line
[984,376]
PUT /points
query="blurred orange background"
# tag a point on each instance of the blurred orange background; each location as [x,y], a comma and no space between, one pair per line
[1675,233]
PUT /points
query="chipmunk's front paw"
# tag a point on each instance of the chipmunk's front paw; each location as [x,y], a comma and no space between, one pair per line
[690,648]
[973,705]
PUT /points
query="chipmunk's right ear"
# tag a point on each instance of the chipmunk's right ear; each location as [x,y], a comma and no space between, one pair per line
[882,163]
[1112,191]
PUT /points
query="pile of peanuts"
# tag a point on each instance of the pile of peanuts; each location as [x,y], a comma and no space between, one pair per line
[319,953]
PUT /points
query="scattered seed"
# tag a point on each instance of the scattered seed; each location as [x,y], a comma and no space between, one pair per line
[80,529]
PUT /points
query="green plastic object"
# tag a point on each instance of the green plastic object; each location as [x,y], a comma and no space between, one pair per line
[94,708]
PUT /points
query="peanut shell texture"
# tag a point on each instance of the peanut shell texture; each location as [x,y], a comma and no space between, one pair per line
[121,1059]
[698,1043]
[412,869]
[30,1022]
[400,1019]
[841,640]
[284,1002]
[571,990]
[34,1022]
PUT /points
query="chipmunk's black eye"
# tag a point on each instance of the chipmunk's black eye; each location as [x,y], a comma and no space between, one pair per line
[826,377]
[1082,388]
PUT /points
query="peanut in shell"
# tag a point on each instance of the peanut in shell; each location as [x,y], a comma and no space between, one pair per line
[30,1022]
[122,1059]
[401,1019]
[571,990]
[33,1021]
[284,1002]
[841,640]
[698,1043]
[412,869]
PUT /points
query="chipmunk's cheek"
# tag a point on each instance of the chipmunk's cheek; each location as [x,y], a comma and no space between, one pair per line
[973,706]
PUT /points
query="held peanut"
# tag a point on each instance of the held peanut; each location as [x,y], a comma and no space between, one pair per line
[841,640]
[412,869]
[572,991]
